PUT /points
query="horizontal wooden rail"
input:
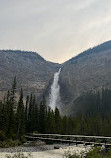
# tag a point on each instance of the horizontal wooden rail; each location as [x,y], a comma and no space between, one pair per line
[76,139]
[73,136]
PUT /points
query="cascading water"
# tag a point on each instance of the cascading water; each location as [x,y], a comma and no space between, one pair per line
[55,91]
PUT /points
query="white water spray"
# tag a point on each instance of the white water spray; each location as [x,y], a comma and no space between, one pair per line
[55,91]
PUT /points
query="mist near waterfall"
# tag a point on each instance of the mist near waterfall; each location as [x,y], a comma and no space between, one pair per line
[54,98]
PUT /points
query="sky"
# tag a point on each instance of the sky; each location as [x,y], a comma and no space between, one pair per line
[56,29]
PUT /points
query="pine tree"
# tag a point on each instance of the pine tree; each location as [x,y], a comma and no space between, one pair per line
[11,109]
[3,117]
[13,96]
[42,116]
[20,117]
[65,125]
[33,113]
[11,119]
[58,122]
[26,113]
[8,106]
[36,117]
[30,115]
[71,125]
[50,122]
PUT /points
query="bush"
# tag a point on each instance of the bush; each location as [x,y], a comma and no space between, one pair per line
[23,139]
[35,132]
[12,135]
[9,143]
[95,153]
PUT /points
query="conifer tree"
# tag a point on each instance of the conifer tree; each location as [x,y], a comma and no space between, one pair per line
[3,117]
[26,113]
[58,122]
[50,122]
[42,116]
[36,117]
[11,119]
[13,91]
[20,117]
[33,113]
[11,108]
[65,125]
[30,114]
[8,106]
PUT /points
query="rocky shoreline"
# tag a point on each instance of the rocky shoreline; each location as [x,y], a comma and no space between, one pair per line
[44,150]
[33,147]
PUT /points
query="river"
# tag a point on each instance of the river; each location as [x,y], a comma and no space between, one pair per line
[46,151]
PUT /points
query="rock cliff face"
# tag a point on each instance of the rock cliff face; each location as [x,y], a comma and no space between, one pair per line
[31,70]
[90,70]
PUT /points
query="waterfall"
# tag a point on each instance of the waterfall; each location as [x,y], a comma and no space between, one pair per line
[55,91]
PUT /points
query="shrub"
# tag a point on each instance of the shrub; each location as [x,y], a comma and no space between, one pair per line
[9,143]
[23,139]
[35,132]
[95,153]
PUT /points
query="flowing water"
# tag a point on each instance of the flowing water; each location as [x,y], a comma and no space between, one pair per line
[55,91]
[48,153]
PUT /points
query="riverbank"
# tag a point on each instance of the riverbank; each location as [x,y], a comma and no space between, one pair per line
[45,151]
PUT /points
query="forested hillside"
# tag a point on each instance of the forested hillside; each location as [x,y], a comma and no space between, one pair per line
[89,71]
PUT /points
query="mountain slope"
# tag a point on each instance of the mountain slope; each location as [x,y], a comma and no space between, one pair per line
[90,70]
[31,70]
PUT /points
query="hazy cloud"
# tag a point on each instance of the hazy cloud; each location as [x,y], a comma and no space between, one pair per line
[57,30]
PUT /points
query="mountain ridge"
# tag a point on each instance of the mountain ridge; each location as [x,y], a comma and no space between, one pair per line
[97,48]
[31,70]
[90,70]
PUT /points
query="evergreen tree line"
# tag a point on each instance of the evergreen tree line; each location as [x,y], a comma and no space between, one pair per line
[17,119]
[94,103]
